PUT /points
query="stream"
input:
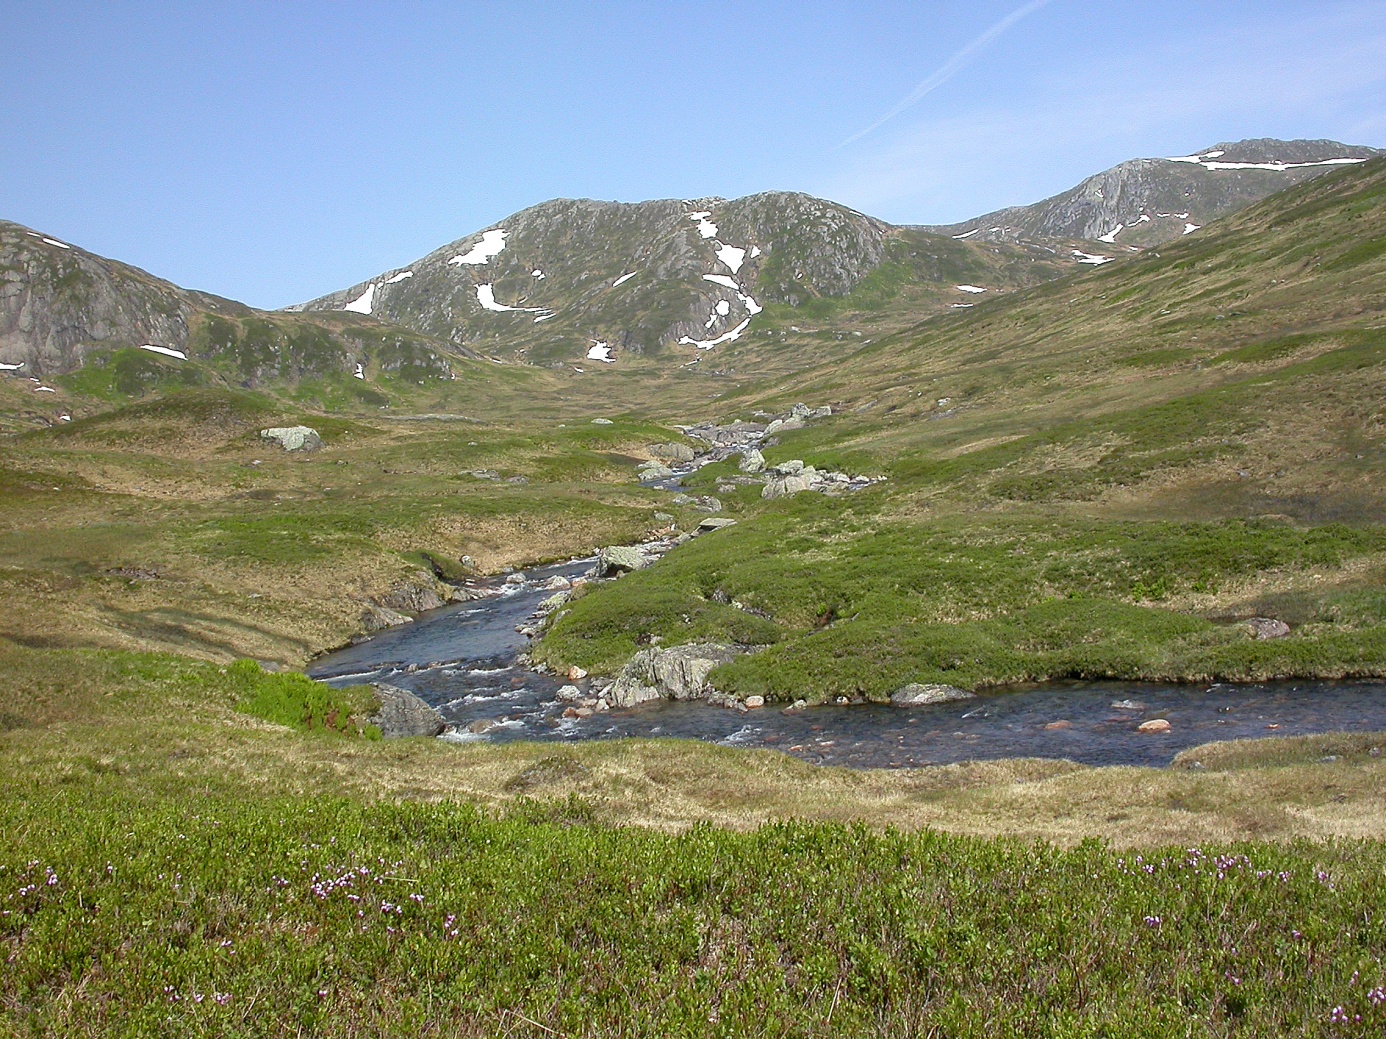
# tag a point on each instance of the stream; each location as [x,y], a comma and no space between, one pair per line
[462,659]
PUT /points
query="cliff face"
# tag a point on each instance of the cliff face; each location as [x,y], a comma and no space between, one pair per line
[58,302]
[1148,201]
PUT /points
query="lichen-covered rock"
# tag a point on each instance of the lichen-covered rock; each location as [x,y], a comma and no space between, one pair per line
[672,452]
[403,714]
[1268,628]
[377,618]
[679,673]
[919,694]
[752,461]
[293,438]
[616,559]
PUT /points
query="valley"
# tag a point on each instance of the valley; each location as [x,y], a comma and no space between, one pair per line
[806,490]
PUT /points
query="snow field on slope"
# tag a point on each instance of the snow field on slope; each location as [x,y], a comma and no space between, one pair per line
[491,244]
[363,303]
[165,350]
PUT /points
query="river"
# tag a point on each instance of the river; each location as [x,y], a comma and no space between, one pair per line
[462,659]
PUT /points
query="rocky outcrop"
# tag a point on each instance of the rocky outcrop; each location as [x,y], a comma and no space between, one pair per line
[752,461]
[619,559]
[293,438]
[1268,628]
[377,618]
[679,673]
[672,452]
[419,593]
[402,714]
[920,694]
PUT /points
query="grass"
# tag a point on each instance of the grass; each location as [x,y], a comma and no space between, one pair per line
[173,864]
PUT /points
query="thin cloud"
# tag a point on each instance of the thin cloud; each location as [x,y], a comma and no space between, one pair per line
[951,67]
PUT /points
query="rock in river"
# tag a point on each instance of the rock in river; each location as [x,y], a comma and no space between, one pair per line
[918,694]
[401,713]
[679,673]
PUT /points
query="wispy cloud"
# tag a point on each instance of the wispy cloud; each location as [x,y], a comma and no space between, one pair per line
[1313,76]
[951,67]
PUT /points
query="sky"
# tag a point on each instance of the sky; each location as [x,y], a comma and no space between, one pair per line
[273,152]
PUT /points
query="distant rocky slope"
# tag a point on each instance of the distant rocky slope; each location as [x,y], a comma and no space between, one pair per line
[62,307]
[1144,202]
[587,281]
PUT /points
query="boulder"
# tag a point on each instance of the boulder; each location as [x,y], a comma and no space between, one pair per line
[1155,725]
[655,471]
[791,468]
[570,694]
[919,694]
[377,618]
[602,422]
[421,592]
[753,702]
[294,438]
[1267,628]
[800,411]
[672,452]
[401,713]
[783,486]
[715,523]
[616,559]
[679,673]
[752,461]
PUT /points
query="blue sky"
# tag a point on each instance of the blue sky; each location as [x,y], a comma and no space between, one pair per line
[272,152]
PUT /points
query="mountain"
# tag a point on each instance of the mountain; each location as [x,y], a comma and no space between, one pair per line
[577,279]
[1146,202]
[63,308]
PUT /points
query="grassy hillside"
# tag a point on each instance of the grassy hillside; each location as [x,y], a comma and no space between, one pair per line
[1093,478]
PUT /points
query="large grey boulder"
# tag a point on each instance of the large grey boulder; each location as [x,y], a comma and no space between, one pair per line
[752,461]
[672,452]
[419,593]
[1268,628]
[919,694]
[655,471]
[679,673]
[401,714]
[783,486]
[293,438]
[615,559]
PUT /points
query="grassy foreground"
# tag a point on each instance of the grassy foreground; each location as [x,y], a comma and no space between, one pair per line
[173,863]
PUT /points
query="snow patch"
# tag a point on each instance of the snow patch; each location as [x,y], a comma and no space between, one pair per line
[623,279]
[1110,236]
[731,256]
[486,296]
[11,367]
[360,372]
[725,337]
[167,351]
[537,274]
[1213,155]
[1145,219]
[544,317]
[963,306]
[755,251]
[1191,228]
[723,307]
[44,389]
[600,352]
[363,303]
[752,307]
[1275,167]
[969,288]
[54,241]
[968,234]
[399,277]
[706,227]
[1096,261]
[491,244]
[723,280]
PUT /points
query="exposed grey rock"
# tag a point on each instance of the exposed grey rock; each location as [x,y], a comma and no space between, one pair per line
[663,517]
[716,523]
[672,452]
[294,438]
[789,468]
[783,486]
[570,694]
[554,601]
[707,503]
[377,618]
[655,471]
[401,714]
[420,593]
[621,559]
[918,694]
[752,461]
[679,673]
[1268,628]
[602,422]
